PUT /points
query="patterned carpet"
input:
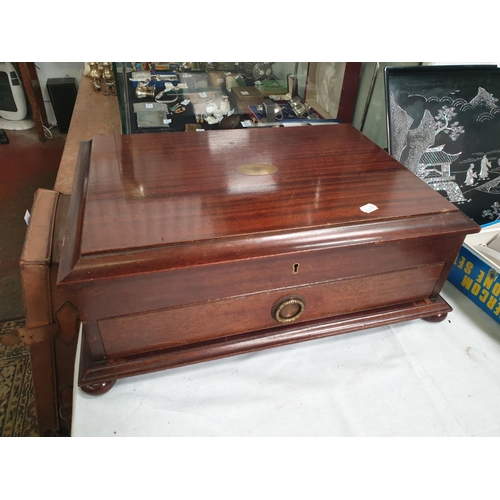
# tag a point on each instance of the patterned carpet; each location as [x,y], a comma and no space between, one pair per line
[17,403]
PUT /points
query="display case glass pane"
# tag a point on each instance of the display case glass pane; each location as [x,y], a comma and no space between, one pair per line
[191,96]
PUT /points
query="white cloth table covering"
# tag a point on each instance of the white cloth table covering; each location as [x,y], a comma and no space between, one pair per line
[409,379]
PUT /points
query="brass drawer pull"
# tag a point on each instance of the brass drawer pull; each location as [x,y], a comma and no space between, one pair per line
[288,309]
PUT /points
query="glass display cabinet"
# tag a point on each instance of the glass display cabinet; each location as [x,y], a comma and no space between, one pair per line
[191,96]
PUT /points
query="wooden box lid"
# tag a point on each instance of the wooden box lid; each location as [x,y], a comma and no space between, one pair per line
[219,194]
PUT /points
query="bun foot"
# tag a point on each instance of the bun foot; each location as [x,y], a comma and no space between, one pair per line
[437,318]
[98,388]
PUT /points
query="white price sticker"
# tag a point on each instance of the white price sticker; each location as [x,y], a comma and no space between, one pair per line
[220,80]
[149,105]
[166,121]
[203,95]
[185,102]
[368,208]
[244,92]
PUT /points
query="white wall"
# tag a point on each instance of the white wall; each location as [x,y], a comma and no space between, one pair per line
[48,70]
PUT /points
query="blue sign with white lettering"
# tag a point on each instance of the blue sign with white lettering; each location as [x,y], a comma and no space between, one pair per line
[478,281]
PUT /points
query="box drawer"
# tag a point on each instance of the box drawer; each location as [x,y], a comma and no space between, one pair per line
[176,326]
[165,289]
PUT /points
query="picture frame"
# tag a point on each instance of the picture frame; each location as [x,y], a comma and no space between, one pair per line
[443,124]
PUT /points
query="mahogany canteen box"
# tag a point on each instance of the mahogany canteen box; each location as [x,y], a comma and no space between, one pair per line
[182,248]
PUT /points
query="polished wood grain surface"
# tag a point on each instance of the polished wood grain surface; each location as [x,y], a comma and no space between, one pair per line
[245,313]
[145,290]
[145,362]
[163,189]
[175,256]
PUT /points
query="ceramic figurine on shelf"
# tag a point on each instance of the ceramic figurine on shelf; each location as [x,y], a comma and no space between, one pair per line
[225,106]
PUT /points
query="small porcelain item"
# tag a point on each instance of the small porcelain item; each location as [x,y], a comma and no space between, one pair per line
[211,108]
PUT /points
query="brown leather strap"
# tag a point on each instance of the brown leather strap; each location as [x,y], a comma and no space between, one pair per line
[35,260]
[40,327]
[40,334]
[38,242]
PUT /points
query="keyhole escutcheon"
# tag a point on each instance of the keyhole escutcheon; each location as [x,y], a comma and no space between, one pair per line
[295,268]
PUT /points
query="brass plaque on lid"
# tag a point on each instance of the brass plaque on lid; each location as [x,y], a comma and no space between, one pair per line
[257,169]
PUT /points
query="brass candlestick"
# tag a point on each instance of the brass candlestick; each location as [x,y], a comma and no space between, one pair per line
[109,78]
[107,71]
[144,90]
[95,75]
